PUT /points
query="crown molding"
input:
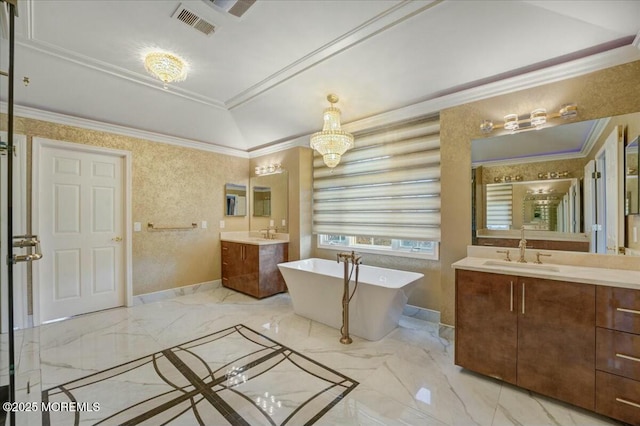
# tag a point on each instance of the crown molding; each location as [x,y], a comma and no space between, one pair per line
[595,133]
[529,80]
[374,26]
[53,117]
[88,62]
[300,141]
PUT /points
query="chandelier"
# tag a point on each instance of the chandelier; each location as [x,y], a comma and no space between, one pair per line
[167,67]
[331,142]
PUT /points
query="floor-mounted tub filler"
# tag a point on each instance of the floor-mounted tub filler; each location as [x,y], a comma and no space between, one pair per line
[316,290]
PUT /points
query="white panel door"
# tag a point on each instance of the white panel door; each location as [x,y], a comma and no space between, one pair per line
[81,229]
[614,190]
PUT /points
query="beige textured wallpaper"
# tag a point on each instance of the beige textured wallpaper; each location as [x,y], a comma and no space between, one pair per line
[171,186]
[605,93]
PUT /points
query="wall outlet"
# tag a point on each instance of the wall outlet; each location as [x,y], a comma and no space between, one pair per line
[203,225]
[137,227]
[284,222]
[222,224]
[635,234]
[272,222]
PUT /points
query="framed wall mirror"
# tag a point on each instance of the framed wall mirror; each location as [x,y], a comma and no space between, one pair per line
[270,202]
[235,199]
[554,217]
[631,189]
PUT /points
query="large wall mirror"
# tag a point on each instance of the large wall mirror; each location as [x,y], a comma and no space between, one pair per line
[235,199]
[270,202]
[537,180]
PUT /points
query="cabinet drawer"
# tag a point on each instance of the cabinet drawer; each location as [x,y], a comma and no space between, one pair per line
[618,397]
[618,353]
[618,309]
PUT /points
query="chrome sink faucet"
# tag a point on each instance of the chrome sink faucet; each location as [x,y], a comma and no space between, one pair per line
[522,246]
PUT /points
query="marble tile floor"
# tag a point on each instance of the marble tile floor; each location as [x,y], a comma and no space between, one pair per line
[407,378]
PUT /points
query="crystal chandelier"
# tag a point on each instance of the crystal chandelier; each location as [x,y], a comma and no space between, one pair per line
[167,67]
[331,142]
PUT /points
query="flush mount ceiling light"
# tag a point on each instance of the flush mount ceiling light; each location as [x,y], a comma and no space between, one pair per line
[331,142]
[166,67]
[535,120]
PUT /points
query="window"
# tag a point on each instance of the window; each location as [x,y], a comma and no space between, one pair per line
[388,246]
[385,193]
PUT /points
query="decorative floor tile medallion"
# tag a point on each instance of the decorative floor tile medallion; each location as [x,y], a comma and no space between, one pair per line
[235,376]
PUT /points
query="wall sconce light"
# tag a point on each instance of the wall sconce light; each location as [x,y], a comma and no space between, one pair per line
[269,169]
[535,120]
[554,175]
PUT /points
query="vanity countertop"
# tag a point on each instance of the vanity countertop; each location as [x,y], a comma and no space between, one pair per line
[582,274]
[254,238]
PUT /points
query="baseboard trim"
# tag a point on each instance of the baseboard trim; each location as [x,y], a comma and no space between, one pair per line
[447,332]
[157,296]
[423,314]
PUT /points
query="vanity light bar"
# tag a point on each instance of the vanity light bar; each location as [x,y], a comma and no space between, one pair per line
[535,120]
[268,169]
[500,179]
[554,175]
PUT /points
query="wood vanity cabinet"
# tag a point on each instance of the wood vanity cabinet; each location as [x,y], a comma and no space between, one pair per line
[618,353]
[253,269]
[535,333]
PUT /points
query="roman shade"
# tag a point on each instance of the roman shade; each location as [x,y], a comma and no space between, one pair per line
[387,186]
[499,206]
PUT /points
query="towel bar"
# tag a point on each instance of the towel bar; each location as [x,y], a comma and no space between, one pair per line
[152,227]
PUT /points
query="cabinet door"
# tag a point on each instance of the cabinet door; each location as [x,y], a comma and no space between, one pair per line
[486,324]
[231,263]
[556,339]
[249,283]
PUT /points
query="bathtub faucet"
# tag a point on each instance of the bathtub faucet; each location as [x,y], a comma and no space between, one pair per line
[352,257]
[355,261]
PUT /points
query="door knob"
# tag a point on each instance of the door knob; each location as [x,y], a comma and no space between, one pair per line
[117,239]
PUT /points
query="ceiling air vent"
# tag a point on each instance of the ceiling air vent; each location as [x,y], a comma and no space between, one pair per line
[236,8]
[188,17]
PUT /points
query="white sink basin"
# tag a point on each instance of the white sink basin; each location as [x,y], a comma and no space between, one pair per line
[522,266]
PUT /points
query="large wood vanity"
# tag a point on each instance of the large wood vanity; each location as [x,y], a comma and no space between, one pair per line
[566,336]
[251,266]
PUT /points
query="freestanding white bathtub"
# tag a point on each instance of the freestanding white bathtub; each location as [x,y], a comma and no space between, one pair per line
[316,287]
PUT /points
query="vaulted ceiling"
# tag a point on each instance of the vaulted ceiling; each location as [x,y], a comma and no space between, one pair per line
[262,78]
